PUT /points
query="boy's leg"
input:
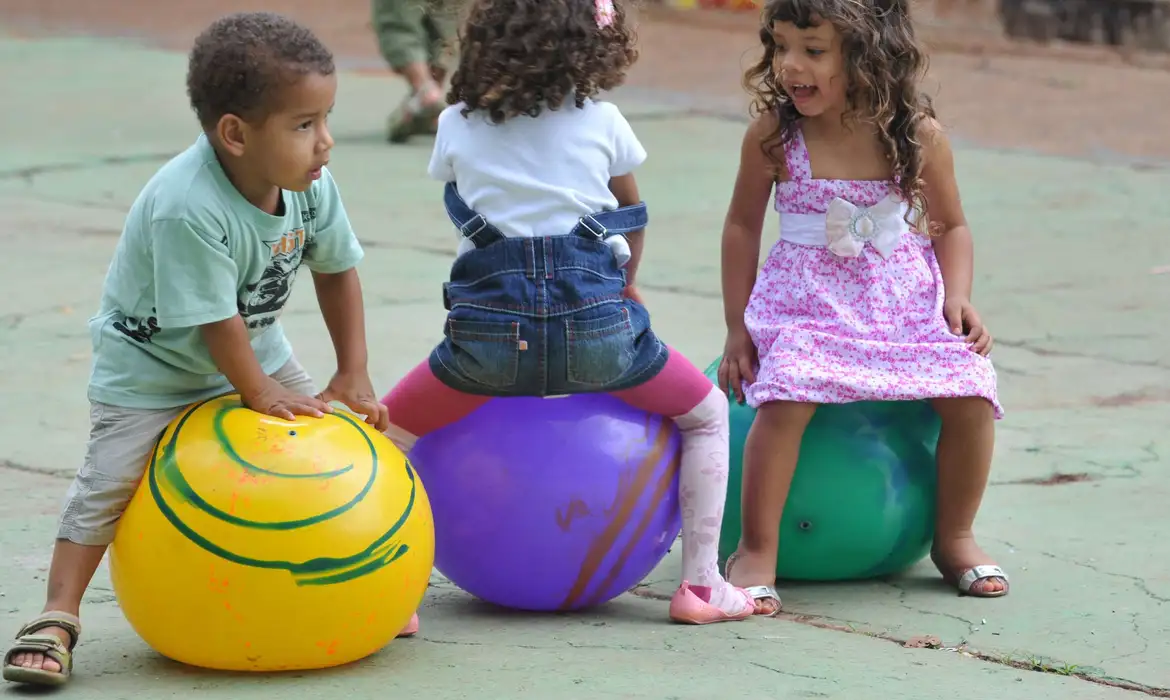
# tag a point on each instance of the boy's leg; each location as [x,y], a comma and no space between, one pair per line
[120,442]
[294,377]
[681,392]
[405,44]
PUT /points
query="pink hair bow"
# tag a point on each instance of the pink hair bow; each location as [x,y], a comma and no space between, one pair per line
[604,11]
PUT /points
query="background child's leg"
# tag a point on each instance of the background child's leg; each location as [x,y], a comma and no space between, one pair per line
[769,461]
[420,404]
[965,448]
[405,43]
[442,25]
[681,392]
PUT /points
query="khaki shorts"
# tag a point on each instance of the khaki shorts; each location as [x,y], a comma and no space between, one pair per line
[415,31]
[120,442]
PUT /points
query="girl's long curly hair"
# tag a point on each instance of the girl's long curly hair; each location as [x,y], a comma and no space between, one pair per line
[884,65]
[520,57]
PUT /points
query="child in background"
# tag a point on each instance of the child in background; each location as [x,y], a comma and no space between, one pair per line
[191,303]
[867,294]
[413,36]
[542,296]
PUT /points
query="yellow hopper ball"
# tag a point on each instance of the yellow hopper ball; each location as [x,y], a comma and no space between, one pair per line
[258,544]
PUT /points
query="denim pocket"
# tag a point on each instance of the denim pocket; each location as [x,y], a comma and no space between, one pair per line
[486,352]
[599,350]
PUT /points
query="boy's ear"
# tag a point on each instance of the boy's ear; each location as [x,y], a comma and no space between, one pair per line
[233,133]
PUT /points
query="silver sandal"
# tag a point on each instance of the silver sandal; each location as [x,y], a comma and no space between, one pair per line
[758,593]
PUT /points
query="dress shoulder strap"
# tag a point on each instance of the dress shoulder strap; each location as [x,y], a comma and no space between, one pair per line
[796,157]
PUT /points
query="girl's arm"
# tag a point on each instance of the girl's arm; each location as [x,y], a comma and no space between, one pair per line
[952,243]
[744,223]
[625,190]
[742,228]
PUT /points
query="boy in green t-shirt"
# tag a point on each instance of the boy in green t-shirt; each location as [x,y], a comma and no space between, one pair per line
[192,298]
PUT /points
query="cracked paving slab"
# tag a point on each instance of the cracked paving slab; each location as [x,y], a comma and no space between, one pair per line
[1065,274]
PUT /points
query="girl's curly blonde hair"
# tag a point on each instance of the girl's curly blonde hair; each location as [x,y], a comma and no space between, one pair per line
[884,65]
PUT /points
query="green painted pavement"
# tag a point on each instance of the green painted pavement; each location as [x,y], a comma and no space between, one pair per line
[1068,276]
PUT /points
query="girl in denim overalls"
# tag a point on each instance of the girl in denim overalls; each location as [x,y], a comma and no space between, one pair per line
[541,297]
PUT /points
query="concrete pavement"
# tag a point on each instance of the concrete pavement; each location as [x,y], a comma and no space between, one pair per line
[1071,274]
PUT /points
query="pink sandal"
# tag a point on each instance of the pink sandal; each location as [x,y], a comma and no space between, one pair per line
[691,606]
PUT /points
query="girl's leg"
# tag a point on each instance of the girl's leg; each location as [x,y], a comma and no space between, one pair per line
[699,409]
[769,461]
[420,404]
[965,447]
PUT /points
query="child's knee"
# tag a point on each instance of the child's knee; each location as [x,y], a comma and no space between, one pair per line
[964,409]
[93,507]
[120,444]
[784,415]
[401,438]
[710,414]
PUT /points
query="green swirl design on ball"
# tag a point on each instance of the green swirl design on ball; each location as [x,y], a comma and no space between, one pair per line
[166,473]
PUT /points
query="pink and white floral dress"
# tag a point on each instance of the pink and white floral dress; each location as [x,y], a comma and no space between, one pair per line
[848,305]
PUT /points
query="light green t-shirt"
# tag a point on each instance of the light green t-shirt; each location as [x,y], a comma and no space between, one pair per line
[193,252]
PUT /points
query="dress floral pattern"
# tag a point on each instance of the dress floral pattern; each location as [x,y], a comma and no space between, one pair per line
[830,328]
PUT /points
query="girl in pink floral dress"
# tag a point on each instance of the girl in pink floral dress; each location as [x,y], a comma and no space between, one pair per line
[867,294]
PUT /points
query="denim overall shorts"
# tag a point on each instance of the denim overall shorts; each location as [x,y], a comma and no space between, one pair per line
[543,316]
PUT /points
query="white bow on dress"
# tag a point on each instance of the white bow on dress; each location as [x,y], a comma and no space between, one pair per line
[849,227]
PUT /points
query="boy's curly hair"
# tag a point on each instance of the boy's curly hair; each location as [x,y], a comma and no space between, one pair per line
[239,64]
[884,64]
[524,56]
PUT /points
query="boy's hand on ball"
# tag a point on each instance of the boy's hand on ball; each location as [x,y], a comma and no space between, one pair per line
[355,390]
[275,400]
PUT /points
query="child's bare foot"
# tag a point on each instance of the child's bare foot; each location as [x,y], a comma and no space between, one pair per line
[756,574]
[966,566]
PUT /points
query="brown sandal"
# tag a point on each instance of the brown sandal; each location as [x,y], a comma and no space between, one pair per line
[29,642]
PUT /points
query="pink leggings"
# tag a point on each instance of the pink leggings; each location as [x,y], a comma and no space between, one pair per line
[673,392]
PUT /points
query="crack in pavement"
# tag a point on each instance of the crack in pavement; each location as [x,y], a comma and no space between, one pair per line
[1101,471]
[1031,347]
[1139,582]
[825,622]
[757,664]
[31,172]
[1137,633]
[29,469]
[79,203]
[566,646]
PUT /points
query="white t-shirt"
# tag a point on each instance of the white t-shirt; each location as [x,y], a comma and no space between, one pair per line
[533,177]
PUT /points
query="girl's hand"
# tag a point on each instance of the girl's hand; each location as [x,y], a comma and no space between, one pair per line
[739,359]
[963,319]
[631,292]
